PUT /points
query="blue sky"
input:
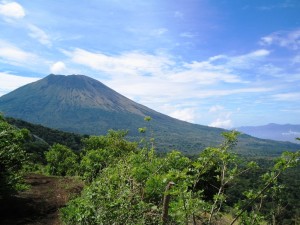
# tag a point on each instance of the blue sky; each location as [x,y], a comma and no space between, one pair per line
[223,63]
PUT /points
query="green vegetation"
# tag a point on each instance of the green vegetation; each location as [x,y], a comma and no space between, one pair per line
[46,137]
[132,185]
[101,151]
[61,161]
[129,183]
[12,157]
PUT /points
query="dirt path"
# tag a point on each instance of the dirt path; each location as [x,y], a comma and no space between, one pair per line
[39,205]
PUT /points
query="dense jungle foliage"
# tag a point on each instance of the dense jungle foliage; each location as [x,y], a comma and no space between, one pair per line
[12,157]
[129,183]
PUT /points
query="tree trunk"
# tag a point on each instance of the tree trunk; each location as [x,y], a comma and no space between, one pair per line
[166,201]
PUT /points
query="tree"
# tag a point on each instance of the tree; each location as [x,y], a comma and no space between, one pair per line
[61,161]
[12,157]
[92,164]
[269,189]
[130,187]
[101,151]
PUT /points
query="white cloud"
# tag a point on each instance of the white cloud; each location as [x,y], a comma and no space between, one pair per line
[178,14]
[155,80]
[258,53]
[293,96]
[222,117]
[286,39]
[291,133]
[222,123]
[9,82]
[185,114]
[296,59]
[216,69]
[291,110]
[58,68]
[15,56]
[271,70]
[149,90]
[131,63]
[239,60]
[12,55]
[204,73]
[39,35]
[220,68]
[225,92]
[268,40]
[159,78]
[283,4]
[11,10]
[216,108]
[158,32]
[187,35]
[152,91]
[247,61]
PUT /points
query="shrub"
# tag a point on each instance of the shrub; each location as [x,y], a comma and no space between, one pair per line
[61,161]
[12,157]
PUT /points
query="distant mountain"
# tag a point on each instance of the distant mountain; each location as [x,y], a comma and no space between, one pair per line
[277,132]
[80,104]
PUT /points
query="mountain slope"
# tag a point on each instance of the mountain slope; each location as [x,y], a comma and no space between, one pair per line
[63,101]
[278,132]
[83,105]
[49,136]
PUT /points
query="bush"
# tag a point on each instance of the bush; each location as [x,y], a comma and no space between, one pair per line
[138,187]
[101,151]
[61,161]
[12,157]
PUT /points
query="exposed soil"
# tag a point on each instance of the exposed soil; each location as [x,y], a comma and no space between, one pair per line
[39,205]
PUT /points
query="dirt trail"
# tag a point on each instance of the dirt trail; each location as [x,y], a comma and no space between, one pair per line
[40,204]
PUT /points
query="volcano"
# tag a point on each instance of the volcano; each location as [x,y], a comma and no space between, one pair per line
[80,104]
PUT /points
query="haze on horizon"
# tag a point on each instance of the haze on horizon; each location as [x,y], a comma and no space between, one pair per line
[219,63]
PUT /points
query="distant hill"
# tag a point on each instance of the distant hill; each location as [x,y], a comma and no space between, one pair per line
[48,135]
[277,132]
[80,104]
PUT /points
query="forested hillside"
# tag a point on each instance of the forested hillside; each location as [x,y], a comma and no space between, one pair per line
[48,135]
[128,183]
